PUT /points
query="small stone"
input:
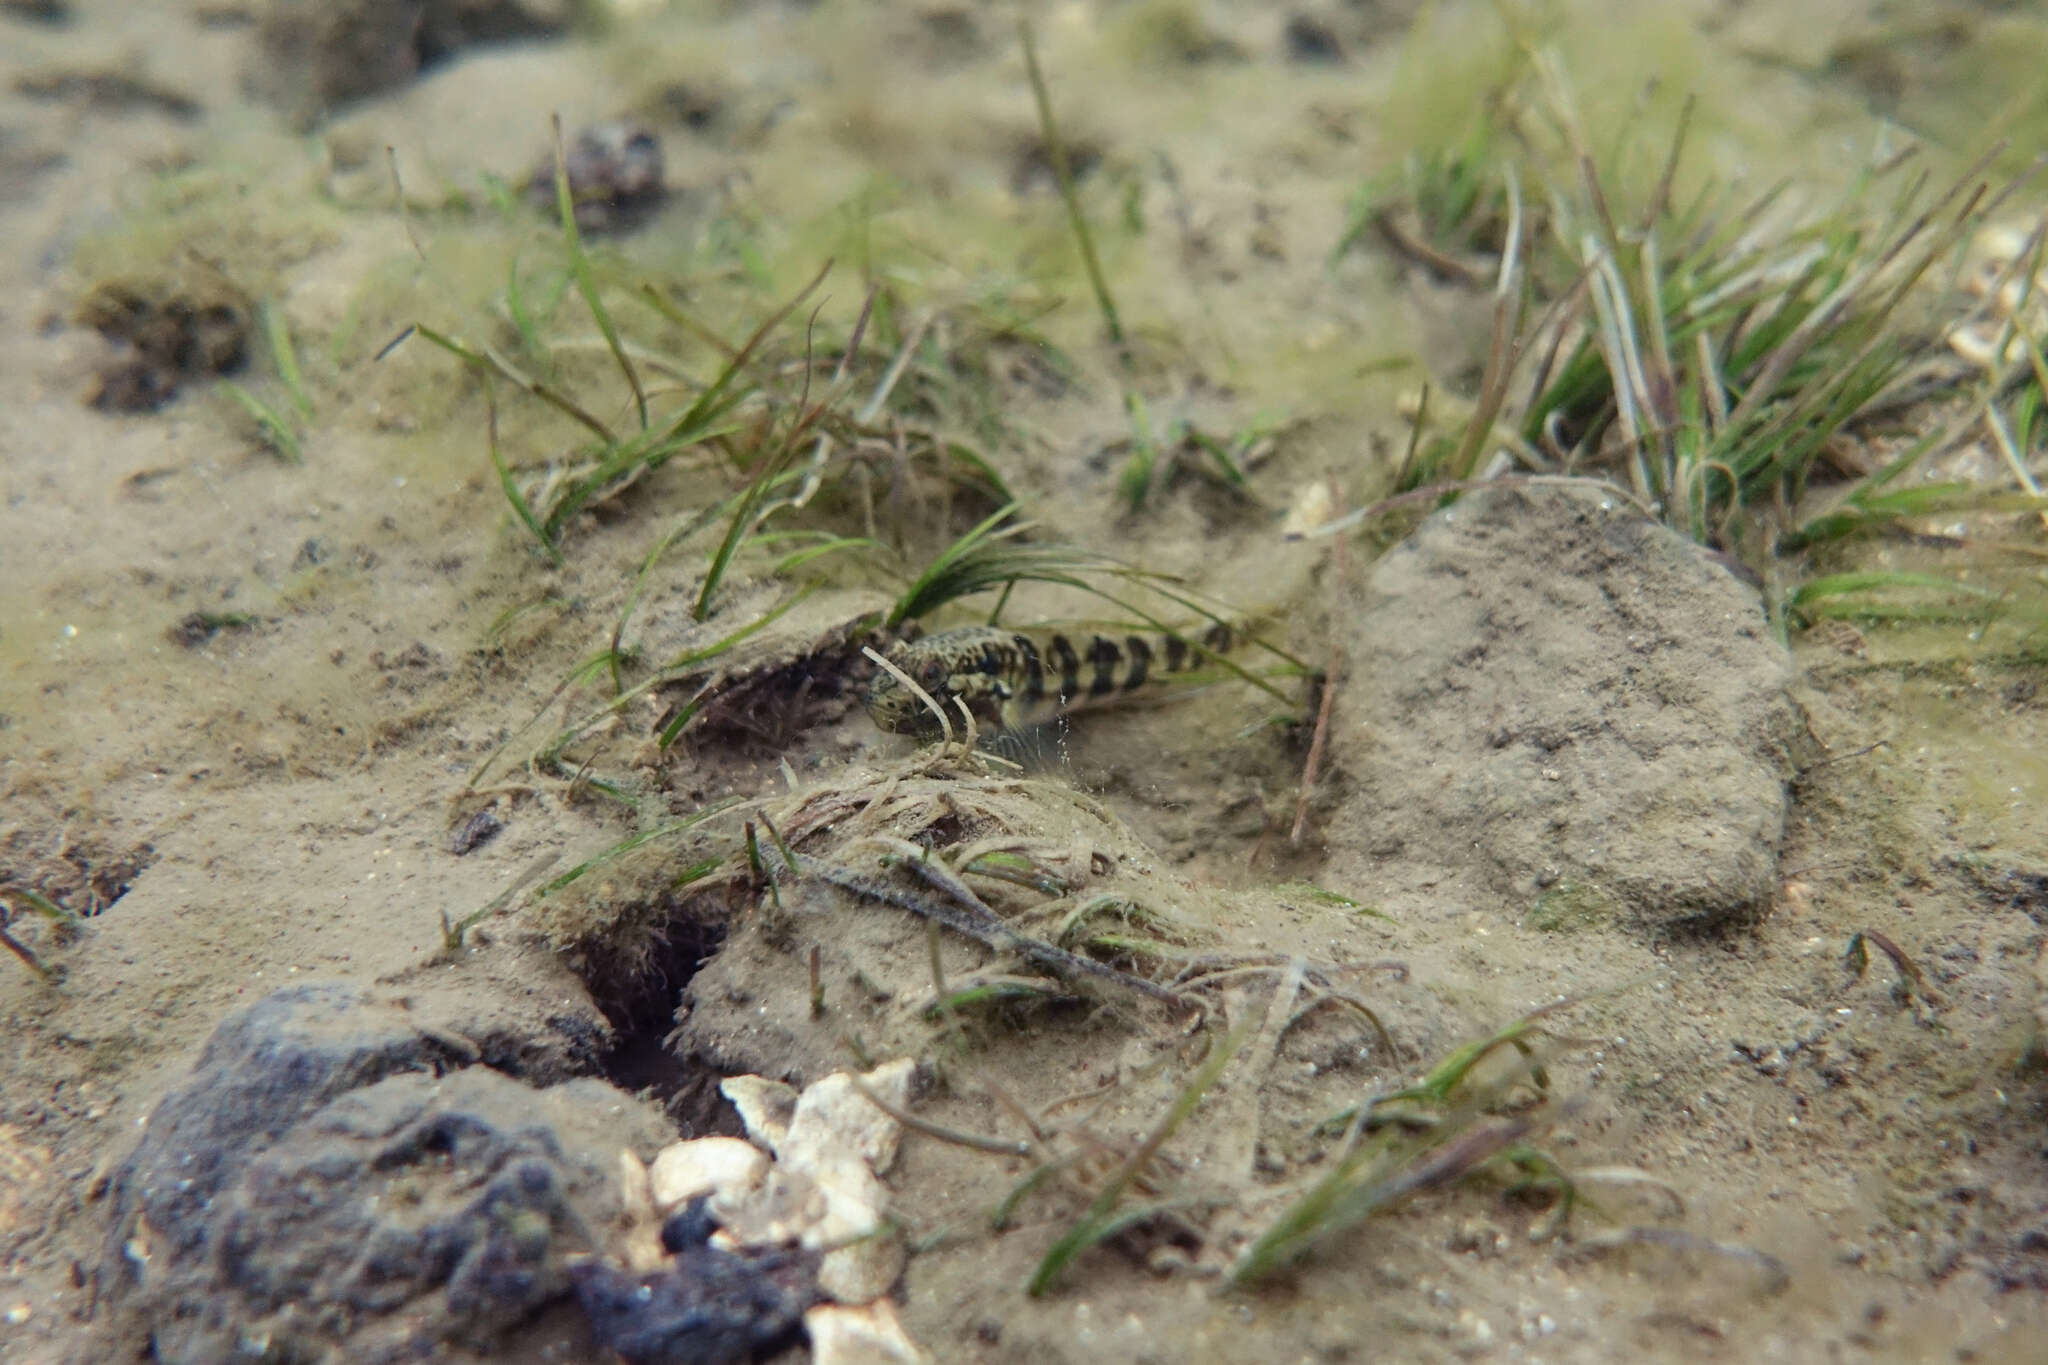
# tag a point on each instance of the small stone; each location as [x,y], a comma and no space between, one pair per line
[1313,506]
[863,1271]
[1309,39]
[615,176]
[834,1117]
[1478,1237]
[782,1209]
[764,1106]
[708,1307]
[723,1167]
[642,1242]
[473,833]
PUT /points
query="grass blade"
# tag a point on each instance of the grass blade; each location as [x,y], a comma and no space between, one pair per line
[276,427]
[1063,174]
[488,358]
[586,282]
[1103,1219]
[521,508]
[285,357]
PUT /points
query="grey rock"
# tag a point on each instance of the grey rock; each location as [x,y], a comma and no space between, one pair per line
[326,1187]
[1571,705]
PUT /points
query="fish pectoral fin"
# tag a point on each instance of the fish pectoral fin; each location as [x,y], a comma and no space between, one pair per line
[1035,748]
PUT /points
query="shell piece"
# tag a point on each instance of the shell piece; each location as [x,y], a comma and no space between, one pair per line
[863,1271]
[822,1192]
[765,1106]
[1314,504]
[723,1167]
[854,1200]
[641,1246]
[781,1210]
[1977,343]
[833,1119]
[2019,306]
[869,1335]
[2000,242]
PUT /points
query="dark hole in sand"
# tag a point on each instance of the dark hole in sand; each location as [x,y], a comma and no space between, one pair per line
[643,1015]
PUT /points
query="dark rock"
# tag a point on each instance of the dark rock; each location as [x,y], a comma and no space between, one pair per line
[194,629]
[709,1307]
[324,1189]
[262,1071]
[689,1226]
[1550,690]
[1309,39]
[316,54]
[615,177]
[479,829]
[164,333]
[56,13]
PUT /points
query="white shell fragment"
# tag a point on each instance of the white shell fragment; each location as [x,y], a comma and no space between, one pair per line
[634,1195]
[854,1198]
[1314,504]
[869,1335]
[834,1120]
[724,1167]
[765,1106]
[783,1209]
[642,1241]
[822,1191]
[1977,342]
[863,1271]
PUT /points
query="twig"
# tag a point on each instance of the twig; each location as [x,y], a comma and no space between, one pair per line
[28,958]
[983,926]
[1405,243]
[959,1138]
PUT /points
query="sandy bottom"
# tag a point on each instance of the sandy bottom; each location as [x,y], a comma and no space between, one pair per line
[268,796]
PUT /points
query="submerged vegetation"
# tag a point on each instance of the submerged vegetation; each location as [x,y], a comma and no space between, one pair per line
[808,475]
[1767,377]
[681,498]
[1748,370]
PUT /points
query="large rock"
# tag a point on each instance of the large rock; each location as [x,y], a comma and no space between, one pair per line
[1553,697]
[328,1186]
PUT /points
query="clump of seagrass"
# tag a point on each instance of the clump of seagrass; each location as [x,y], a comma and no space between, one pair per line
[1768,378]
